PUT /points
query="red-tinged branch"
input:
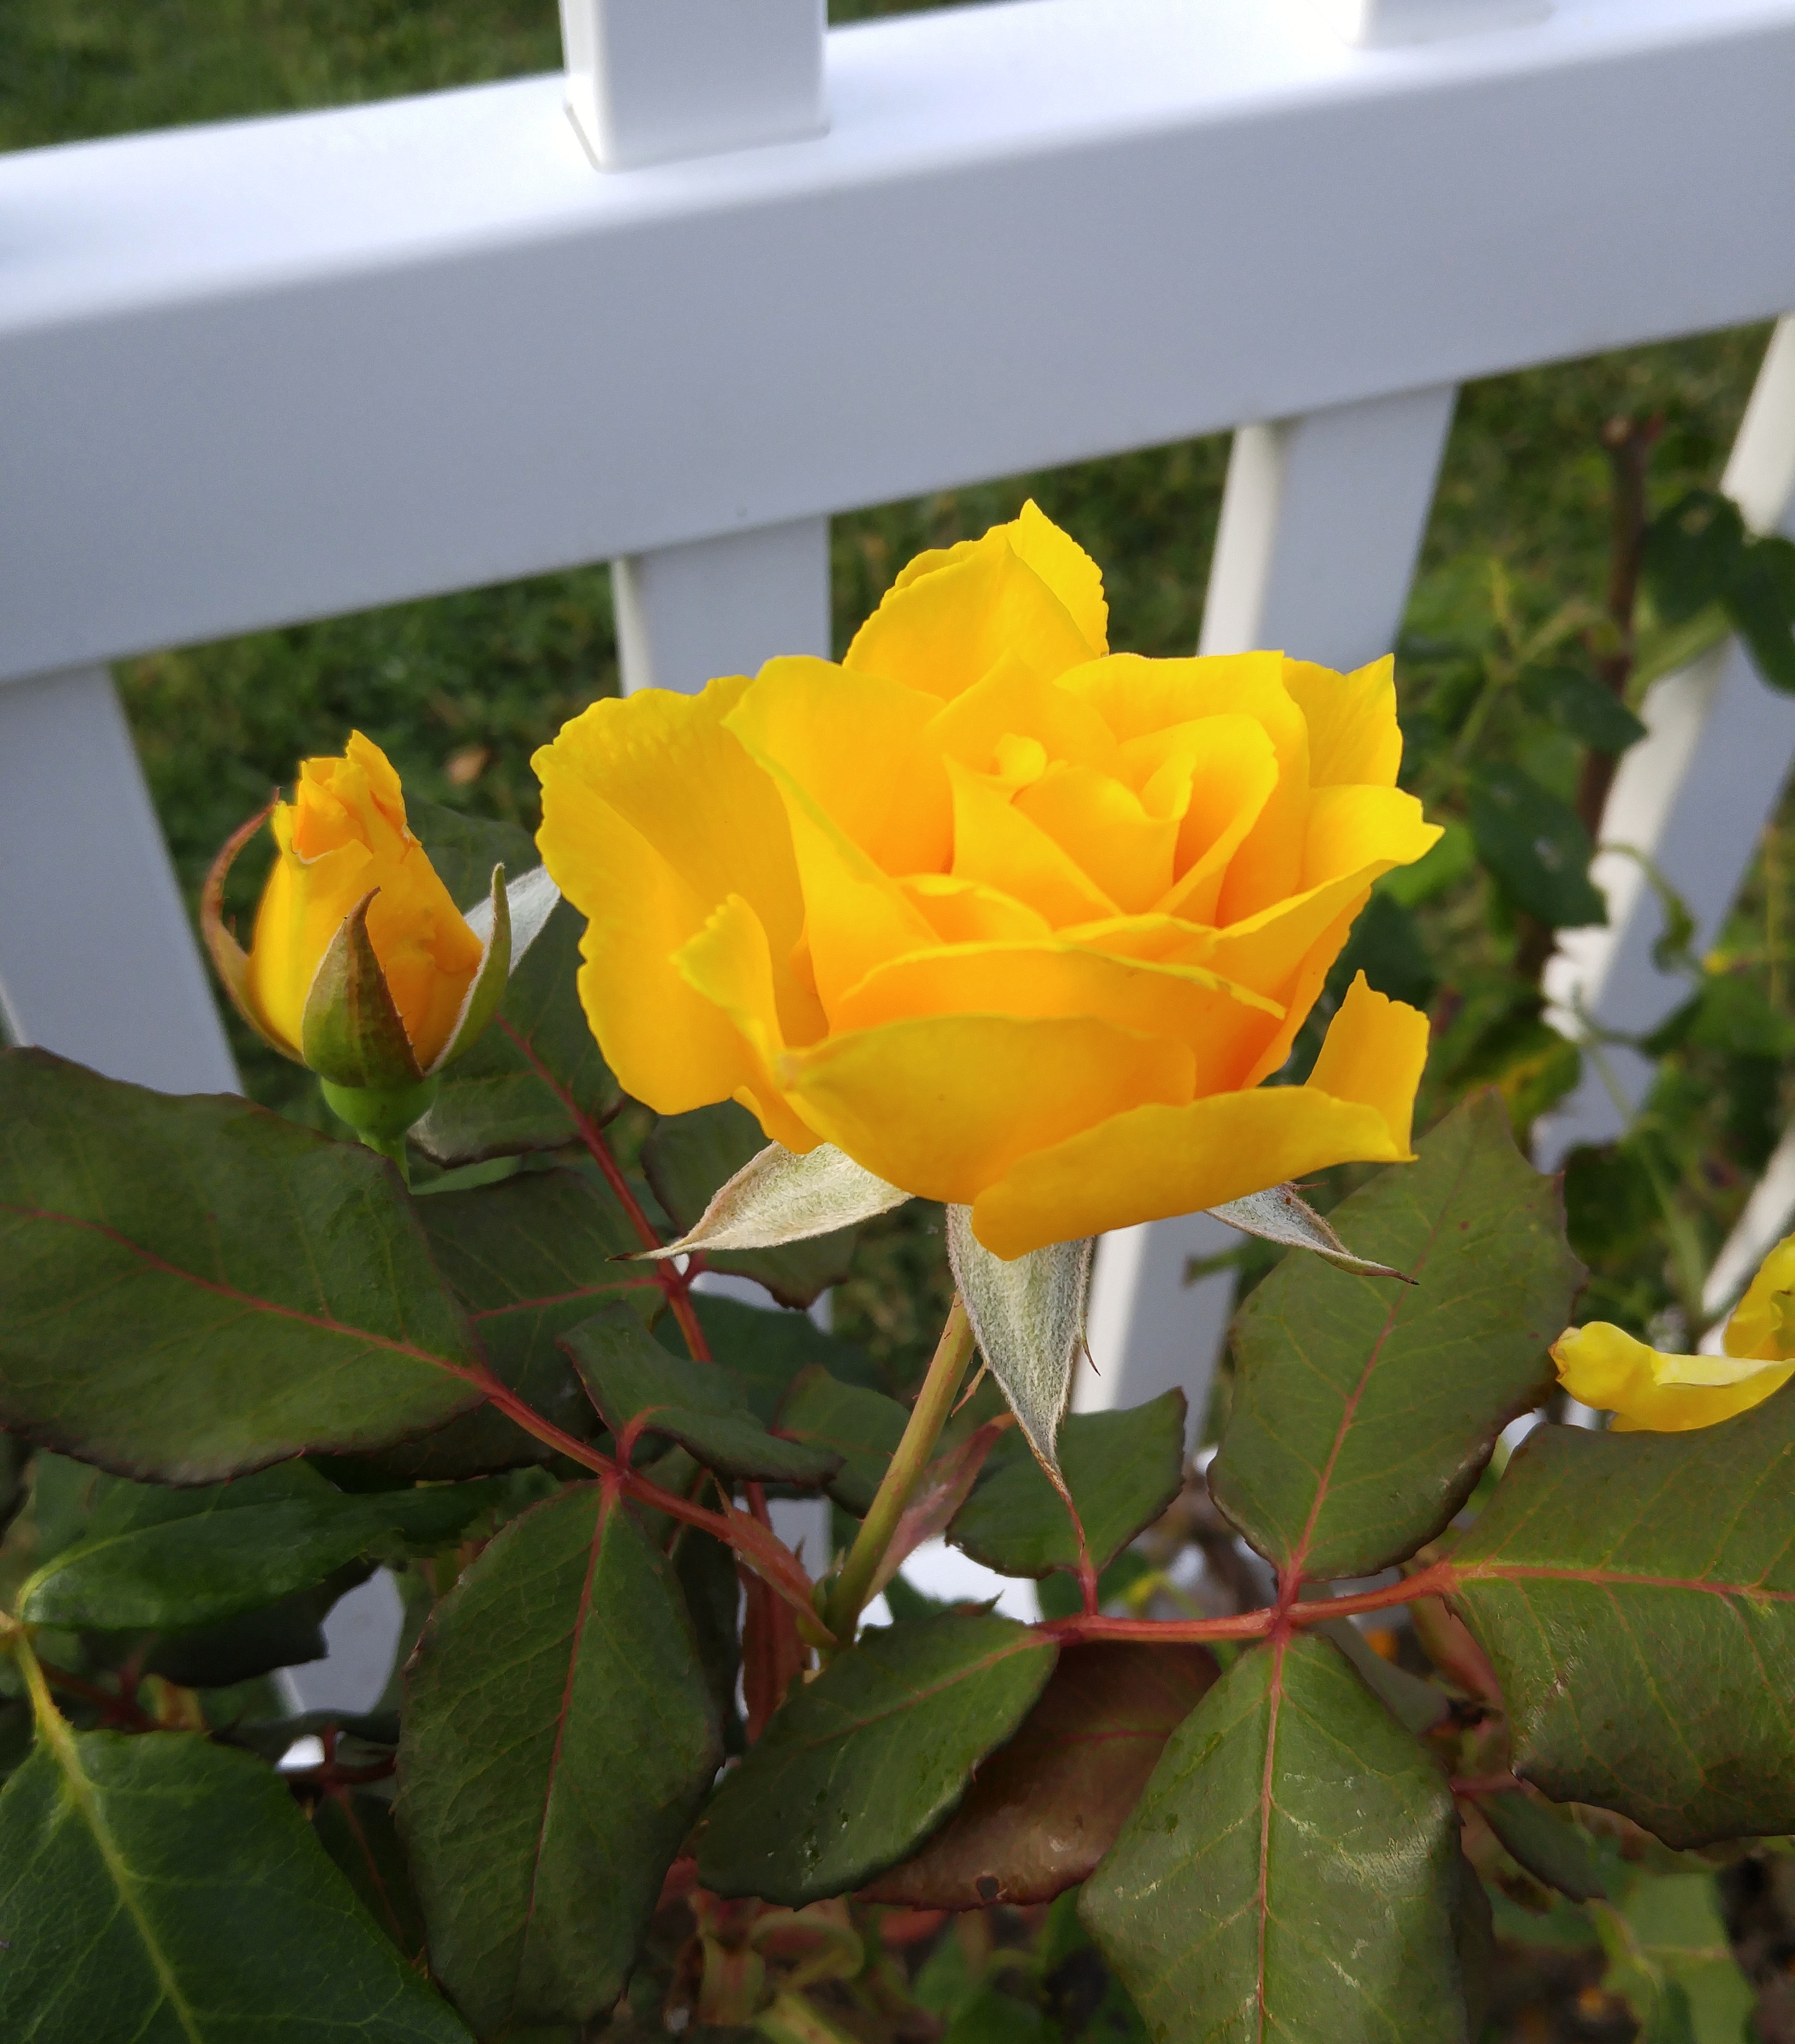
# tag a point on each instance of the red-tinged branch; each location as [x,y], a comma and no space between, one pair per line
[1439,1580]
[757,1547]
[676,1284]
[1471,1786]
[115,1708]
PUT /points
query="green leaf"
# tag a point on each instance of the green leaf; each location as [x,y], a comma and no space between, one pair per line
[558,1736]
[1292,1870]
[1691,553]
[357,1830]
[690,1157]
[530,1258]
[1045,1808]
[1453,858]
[166,1560]
[1577,703]
[858,1766]
[536,1071]
[712,1588]
[1386,946]
[862,1427]
[1671,1961]
[1123,1469]
[1364,1410]
[165,1889]
[1665,1565]
[238,1649]
[1552,1846]
[1761,602]
[1028,1314]
[640,1387]
[1536,845]
[191,1288]
[767,1350]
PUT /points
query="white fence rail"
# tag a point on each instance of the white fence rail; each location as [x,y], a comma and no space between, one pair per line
[279,369]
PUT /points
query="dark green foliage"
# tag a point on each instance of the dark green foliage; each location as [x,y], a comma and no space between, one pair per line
[1698,554]
[1553,1847]
[861,1764]
[166,1560]
[1123,1470]
[1290,1823]
[768,1350]
[282,1635]
[862,1427]
[355,1827]
[537,1070]
[1365,1408]
[1578,704]
[166,1890]
[1535,845]
[192,1289]
[1663,1562]
[1385,945]
[641,1389]
[559,1732]
[530,1258]
[690,1155]
[713,1590]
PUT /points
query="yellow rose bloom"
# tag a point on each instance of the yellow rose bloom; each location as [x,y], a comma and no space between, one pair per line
[1648,1391]
[1015,922]
[343,837]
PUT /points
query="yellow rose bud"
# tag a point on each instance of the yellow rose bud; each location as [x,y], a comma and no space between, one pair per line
[1648,1391]
[342,839]
[1015,922]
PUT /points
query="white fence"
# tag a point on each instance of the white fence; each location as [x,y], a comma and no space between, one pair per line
[278,369]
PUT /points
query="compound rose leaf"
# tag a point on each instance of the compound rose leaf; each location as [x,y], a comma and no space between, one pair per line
[559,1734]
[1292,1870]
[1364,1410]
[193,1288]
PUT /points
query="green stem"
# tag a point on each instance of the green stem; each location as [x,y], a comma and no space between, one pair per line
[947,1370]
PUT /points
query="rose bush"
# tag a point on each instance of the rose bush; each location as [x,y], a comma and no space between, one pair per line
[1015,922]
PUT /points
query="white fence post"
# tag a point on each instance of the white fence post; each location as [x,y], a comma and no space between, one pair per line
[1380,24]
[1689,801]
[1321,521]
[648,81]
[687,614]
[98,960]
[651,80]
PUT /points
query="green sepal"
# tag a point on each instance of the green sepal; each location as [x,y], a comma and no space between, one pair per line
[351,1035]
[487,990]
[383,1113]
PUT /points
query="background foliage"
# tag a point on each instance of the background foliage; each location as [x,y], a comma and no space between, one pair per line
[459,691]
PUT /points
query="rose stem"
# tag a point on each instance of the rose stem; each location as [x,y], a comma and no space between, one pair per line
[929,1414]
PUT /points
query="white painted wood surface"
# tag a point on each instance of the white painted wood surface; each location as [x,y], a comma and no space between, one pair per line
[96,958]
[284,369]
[1690,801]
[650,80]
[686,614]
